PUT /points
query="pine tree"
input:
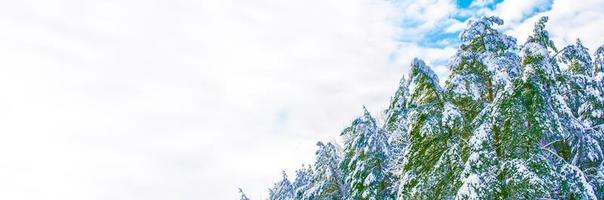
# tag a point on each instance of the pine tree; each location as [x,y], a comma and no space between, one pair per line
[571,146]
[479,176]
[577,58]
[583,92]
[484,64]
[303,182]
[327,179]
[365,159]
[599,65]
[282,190]
[433,157]
[397,111]
[541,36]
[579,74]
[591,110]
[396,128]
[519,122]
[242,194]
[592,113]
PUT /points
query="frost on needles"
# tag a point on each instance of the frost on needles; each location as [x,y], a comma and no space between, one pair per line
[511,122]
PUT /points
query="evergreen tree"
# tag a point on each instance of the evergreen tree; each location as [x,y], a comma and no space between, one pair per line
[579,72]
[541,36]
[327,179]
[433,157]
[577,59]
[282,190]
[365,159]
[396,127]
[515,130]
[484,64]
[592,113]
[573,145]
[303,182]
[397,111]
[479,176]
[242,194]
[599,64]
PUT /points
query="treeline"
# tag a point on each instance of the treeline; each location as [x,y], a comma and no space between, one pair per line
[511,122]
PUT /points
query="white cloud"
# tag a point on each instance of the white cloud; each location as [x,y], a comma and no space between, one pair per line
[181,99]
[568,20]
[481,3]
[514,12]
[420,17]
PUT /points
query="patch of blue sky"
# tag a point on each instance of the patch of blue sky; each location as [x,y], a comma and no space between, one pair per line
[437,37]
[410,23]
[464,3]
[493,4]
[467,6]
[440,39]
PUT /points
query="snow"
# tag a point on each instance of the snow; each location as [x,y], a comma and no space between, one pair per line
[419,68]
[577,58]
[452,117]
[599,64]
[534,49]
[468,189]
[578,181]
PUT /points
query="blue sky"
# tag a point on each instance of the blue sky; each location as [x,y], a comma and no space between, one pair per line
[188,99]
[440,37]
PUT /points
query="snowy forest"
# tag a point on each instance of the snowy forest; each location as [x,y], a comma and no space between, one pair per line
[512,121]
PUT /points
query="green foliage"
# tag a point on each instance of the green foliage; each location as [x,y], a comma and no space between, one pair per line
[365,160]
[433,157]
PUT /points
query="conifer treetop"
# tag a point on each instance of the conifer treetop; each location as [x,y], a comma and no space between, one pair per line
[577,58]
[540,35]
[424,85]
[242,195]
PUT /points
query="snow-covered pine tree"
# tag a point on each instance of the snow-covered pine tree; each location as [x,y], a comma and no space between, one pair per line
[585,100]
[327,179]
[242,195]
[592,112]
[481,67]
[365,159]
[599,64]
[433,156]
[579,73]
[282,190]
[396,128]
[479,176]
[397,111]
[303,182]
[521,118]
[577,59]
[486,64]
[573,144]
[541,36]
[583,93]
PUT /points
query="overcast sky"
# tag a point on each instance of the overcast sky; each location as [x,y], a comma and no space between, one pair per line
[144,100]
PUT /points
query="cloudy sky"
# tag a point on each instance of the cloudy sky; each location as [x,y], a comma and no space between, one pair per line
[133,99]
